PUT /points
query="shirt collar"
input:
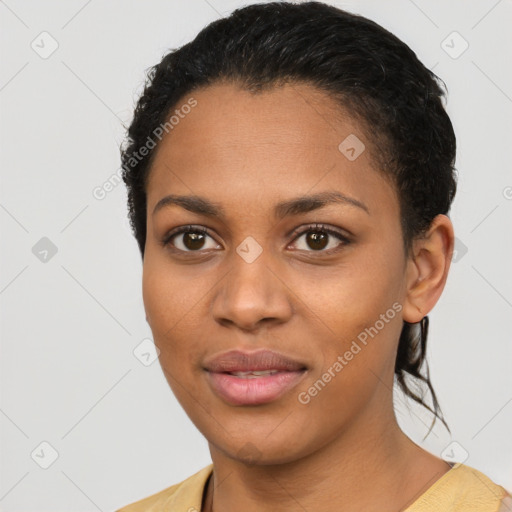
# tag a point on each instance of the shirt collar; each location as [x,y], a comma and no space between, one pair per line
[189,495]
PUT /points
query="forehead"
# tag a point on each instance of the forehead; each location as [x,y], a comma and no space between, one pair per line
[285,141]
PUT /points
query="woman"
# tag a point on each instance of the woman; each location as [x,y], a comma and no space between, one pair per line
[289,176]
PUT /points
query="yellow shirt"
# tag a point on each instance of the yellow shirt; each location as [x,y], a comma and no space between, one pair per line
[461,489]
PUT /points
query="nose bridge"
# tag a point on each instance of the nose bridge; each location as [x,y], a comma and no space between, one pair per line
[251,291]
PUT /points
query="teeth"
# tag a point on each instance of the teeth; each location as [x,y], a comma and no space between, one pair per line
[253,374]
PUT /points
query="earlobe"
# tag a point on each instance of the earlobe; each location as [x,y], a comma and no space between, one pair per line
[427,269]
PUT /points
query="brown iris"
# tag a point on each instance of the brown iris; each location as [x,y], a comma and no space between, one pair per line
[317,239]
[193,240]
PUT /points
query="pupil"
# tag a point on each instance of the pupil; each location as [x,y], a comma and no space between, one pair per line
[317,240]
[195,240]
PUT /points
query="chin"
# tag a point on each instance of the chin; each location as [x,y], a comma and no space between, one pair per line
[254,450]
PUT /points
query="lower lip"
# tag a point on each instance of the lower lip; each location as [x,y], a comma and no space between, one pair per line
[260,390]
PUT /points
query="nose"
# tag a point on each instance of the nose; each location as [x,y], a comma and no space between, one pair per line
[252,295]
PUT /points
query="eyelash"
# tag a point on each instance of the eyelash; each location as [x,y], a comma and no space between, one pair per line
[296,234]
[315,228]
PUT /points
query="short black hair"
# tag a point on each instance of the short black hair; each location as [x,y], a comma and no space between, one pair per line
[373,75]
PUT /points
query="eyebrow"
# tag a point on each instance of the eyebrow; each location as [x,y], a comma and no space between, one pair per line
[296,206]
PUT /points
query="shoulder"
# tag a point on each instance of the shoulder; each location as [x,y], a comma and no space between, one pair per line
[185,496]
[463,488]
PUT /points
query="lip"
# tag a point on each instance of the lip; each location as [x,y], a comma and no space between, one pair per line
[253,389]
[243,361]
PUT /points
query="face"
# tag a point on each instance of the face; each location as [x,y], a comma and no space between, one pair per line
[293,245]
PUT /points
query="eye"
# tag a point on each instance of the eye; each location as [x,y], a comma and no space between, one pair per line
[190,239]
[319,238]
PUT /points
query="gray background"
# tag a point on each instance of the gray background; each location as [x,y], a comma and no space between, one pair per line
[71,320]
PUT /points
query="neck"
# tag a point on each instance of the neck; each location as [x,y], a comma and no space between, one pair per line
[370,463]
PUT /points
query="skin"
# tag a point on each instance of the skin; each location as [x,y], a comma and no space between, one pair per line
[247,152]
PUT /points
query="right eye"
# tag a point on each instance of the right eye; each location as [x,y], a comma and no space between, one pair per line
[189,239]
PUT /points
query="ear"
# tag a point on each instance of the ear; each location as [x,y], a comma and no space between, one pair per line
[427,269]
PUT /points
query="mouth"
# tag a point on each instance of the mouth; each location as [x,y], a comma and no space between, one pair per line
[253,374]
[253,388]
[241,378]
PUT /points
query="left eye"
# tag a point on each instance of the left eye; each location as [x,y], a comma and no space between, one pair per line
[320,239]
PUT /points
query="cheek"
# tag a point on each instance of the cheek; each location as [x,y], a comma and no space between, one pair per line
[361,304]
[169,302]
[169,292]
[352,296]
[358,364]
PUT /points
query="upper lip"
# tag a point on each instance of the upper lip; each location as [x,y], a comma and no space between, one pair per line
[242,361]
